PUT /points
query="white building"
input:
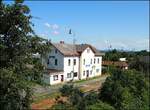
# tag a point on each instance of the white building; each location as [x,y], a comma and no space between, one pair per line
[68,62]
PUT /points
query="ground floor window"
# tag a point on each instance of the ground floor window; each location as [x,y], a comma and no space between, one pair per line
[55,77]
[75,74]
[83,73]
[97,70]
[91,72]
[68,75]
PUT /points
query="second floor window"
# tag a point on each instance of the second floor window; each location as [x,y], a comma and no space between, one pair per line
[91,61]
[98,60]
[56,62]
[69,61]
[94,60]
[74,61]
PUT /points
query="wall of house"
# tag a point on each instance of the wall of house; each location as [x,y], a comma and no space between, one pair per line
[98,65]
[55,54]
[46,78]
[52,81]
[89,67]
[69,68]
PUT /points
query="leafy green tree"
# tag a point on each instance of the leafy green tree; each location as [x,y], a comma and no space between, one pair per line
[15,94]
[91,98]
[66,90]
[16,49]
[125,90]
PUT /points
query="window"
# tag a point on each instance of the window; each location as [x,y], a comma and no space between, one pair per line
[56,61]
[55,77]
[97,70]
[48,61]
[68,75]
[94,60]
[98,60]
[83,73]
[83,61]
[69,61]
[91,61]
[75,74]
[74,61]
[91,72]
[88,50]
[55,50]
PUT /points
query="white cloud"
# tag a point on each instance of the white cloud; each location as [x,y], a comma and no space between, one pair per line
[55,26]
[52,26]
[47,25]
[55,32]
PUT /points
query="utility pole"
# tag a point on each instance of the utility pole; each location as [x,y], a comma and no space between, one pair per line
[73,51]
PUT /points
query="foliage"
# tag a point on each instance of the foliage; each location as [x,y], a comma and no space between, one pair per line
[100,106]
[124,90]
[140,65]
[15,94]
[76,99]
[91,98]
[62,106]
[80,101]
[66,90]
[114,55]
[18,42]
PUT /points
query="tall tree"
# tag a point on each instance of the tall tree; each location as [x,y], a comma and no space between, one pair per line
[17,45]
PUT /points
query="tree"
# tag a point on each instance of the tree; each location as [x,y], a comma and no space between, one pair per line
[125,90]
[100,106]
[15,94]
[66,90]
[16,49]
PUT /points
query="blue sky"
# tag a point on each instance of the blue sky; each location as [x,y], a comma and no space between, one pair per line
[122,24]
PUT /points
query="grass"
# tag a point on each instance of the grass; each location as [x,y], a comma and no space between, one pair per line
[84,80]
[45,96]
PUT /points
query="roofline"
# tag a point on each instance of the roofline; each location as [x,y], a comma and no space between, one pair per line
[57,48]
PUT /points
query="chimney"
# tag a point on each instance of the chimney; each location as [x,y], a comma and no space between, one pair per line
[49,41]
[61,42]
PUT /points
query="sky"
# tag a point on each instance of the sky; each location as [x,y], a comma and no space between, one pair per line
[121,24]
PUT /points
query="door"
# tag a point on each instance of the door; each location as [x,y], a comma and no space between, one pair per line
[62,78]
[87,73]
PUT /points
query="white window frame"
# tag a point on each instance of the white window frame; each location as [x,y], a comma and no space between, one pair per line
[55,77]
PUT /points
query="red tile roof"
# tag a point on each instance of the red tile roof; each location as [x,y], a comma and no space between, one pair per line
[115,63]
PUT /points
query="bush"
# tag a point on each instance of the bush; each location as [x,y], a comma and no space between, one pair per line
[91,98]
[100,106]
[62,106]
[66,90]
[125,90]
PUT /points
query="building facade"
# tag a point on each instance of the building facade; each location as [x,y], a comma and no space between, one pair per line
[67,62]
